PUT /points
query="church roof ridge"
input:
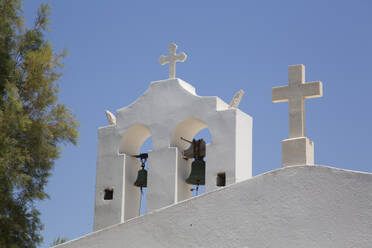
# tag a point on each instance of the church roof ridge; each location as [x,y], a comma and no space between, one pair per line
[327,171]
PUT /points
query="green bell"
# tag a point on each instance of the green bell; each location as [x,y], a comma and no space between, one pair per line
[141,178]
[197,175]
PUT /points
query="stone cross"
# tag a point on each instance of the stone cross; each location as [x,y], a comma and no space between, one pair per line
[171,59]
[296,93]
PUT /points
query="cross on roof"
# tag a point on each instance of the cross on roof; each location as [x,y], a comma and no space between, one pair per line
[296,93]
[171,59]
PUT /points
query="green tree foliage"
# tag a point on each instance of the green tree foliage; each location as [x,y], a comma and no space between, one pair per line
[58,241]
[33,124]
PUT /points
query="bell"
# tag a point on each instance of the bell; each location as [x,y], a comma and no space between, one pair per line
[141,178]
[197,175]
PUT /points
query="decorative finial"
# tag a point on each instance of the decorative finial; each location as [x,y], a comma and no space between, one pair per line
[171,59]
[110,117]
[236,99]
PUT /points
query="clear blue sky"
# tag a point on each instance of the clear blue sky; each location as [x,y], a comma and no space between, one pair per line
[114,47]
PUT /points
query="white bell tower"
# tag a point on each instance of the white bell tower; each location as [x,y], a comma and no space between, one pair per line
[168,110]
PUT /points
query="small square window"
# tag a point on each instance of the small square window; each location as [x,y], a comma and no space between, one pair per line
[109,194]
[221,179]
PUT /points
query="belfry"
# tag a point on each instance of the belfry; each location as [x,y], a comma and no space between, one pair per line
[171,113]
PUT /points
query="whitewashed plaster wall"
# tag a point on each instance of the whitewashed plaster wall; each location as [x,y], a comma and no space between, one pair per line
[168,110]
[291,207]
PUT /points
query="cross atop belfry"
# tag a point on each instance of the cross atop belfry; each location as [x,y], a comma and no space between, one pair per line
[298,149]
[171,59]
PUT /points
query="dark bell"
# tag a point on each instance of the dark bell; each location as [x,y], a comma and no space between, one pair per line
[197,175]
[141,178]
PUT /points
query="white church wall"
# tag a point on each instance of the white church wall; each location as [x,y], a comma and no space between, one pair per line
[221,151]
[110,174]
[291,207]
[183,170]
[161,178]
[244,126]
[132,194]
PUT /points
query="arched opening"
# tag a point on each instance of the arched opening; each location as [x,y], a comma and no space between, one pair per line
[135,141]
[188,130]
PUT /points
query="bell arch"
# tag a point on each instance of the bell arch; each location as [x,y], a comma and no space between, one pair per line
[133,139]
[130,144]
[186,129]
